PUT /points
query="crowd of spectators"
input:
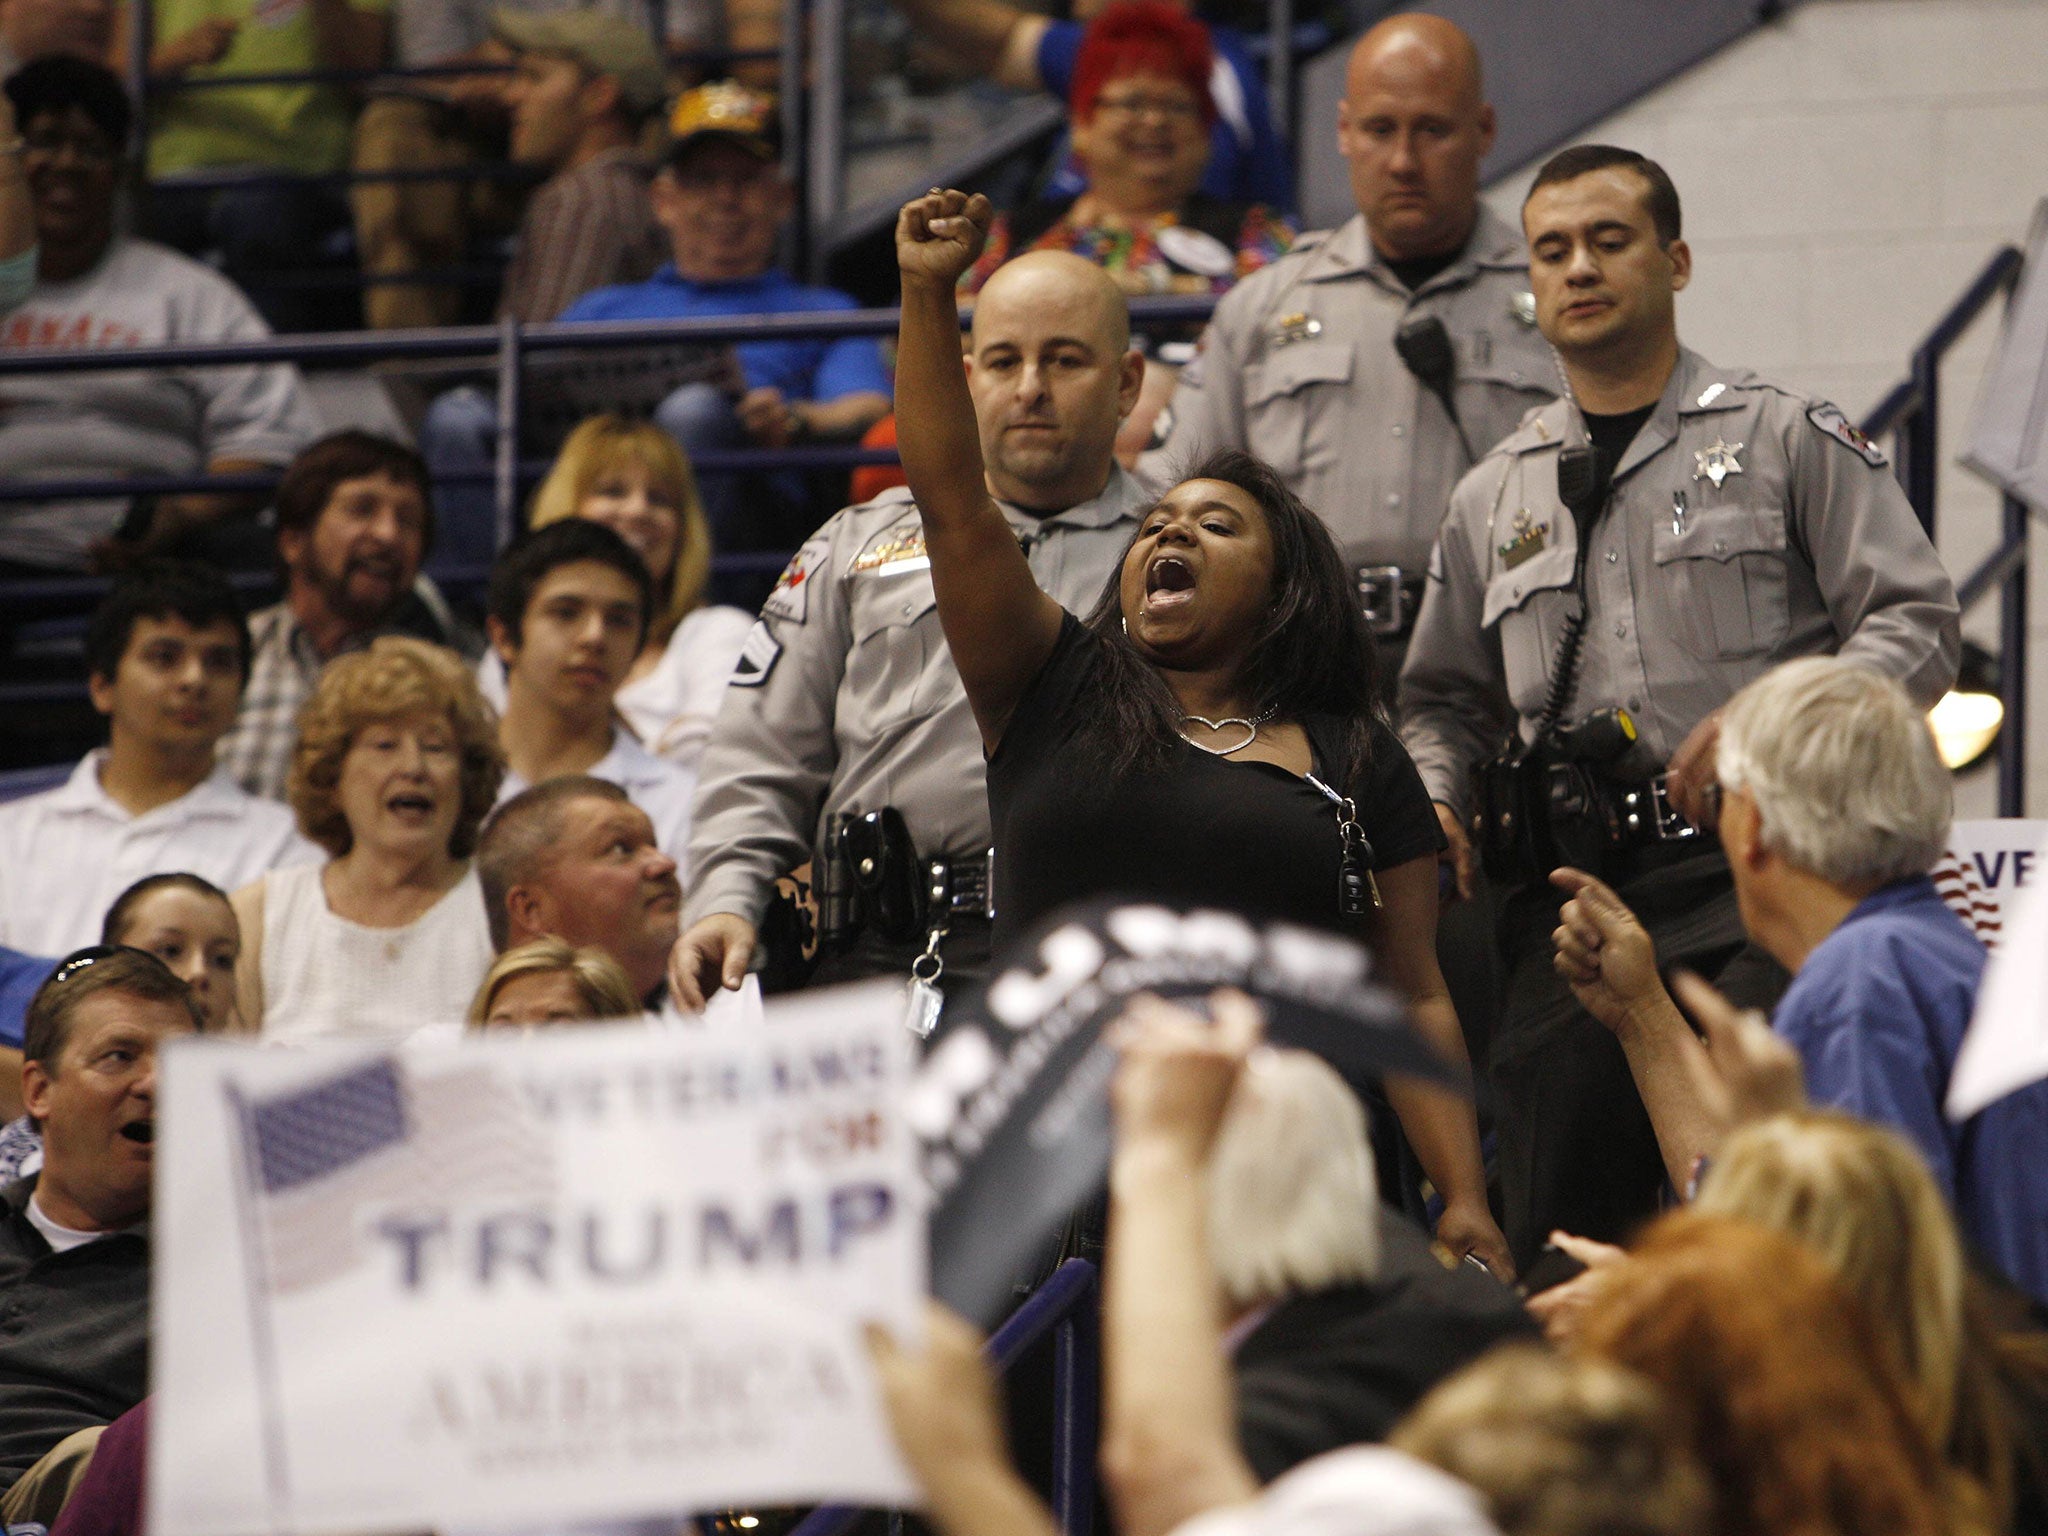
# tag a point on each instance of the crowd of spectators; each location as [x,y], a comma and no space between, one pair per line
[1766,1285]
[637,203]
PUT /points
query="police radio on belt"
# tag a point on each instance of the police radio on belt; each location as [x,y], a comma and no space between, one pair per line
[1559,798]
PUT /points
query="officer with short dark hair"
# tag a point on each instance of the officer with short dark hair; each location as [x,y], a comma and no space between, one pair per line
[1608,577]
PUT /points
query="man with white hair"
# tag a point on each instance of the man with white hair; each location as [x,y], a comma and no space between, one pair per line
[1834,806]
[1342,1316]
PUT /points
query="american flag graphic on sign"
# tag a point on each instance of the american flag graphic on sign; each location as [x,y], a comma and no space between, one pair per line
[1957,883]
[382,1136]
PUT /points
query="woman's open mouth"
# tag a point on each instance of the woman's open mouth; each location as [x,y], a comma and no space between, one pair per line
[1169,581]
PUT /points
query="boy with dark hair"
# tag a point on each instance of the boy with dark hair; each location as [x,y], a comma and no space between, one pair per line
[355,520]
[169,653]
[163,589]
[569,609]
[74,1243]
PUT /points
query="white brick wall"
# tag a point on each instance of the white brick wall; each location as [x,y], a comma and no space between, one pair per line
[1845,171]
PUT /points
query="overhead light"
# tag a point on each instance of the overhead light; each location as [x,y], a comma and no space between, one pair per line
[1966,720]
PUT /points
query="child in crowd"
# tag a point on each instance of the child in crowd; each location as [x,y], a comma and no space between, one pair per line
[184,921]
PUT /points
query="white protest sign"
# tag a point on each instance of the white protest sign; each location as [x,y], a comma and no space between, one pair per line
[2006,1046]
[591,1273]
[1986,867]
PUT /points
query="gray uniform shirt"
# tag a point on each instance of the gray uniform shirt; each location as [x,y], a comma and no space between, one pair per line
[1805,546]
[1298,367]
[846,699]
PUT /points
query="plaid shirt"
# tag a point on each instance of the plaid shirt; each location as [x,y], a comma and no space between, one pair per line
[284,669]
[21,1150]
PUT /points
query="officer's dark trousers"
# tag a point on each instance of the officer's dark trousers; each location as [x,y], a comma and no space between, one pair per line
[965,949]
[1576,1148]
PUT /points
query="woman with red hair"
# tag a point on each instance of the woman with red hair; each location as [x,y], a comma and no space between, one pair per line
[1793,1406]
[1141,112]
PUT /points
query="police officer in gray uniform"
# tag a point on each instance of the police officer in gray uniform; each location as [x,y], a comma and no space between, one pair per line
[846,738]
[1607,578]
[1371,366]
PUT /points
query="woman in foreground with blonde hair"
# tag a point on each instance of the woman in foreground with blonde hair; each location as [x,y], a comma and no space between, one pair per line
[550,981]
[1861,1197]
[396,765]
[1791,1400]
[630,476]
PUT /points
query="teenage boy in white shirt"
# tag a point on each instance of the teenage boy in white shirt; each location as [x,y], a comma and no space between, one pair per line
[168,652]
[569,609]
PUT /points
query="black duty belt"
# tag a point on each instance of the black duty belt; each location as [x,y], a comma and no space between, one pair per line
[1642,814]
[962,887]
[1534,815]
[1631,813]
[1389,597]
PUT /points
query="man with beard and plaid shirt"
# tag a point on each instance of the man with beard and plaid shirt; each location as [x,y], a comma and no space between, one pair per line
[354,522]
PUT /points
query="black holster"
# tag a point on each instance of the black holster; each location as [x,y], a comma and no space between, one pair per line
[1536,811]
[869,881]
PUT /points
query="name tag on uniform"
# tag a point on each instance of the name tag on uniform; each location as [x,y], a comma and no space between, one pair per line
[1530,540]
[897,555]
[1300,326]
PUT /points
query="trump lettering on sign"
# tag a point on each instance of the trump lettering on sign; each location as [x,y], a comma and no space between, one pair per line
[594,1273]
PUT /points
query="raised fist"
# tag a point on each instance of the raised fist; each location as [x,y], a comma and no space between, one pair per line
[939,235]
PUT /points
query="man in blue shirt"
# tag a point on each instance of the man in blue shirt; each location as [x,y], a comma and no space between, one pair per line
[1833,807]
[720,198]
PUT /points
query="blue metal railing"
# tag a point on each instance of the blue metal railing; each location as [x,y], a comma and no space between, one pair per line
[1064,1306]
[498,350]
[502,349]
[1911,414]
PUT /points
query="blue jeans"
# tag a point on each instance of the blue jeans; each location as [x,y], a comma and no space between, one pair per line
[460,436]
[260,232]
[761,511]
[771,510]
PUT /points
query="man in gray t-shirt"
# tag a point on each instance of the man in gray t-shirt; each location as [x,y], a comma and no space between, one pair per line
[96,288]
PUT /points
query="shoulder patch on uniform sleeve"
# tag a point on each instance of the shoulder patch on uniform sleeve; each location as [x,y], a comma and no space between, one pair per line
[791,599]
[1830,420]
[758,654]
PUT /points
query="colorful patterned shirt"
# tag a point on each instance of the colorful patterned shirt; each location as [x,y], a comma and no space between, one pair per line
[1207,248]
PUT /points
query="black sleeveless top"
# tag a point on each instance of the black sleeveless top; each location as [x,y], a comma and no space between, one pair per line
[1246,837]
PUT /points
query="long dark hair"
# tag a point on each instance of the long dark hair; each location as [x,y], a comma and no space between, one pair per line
[1312,652]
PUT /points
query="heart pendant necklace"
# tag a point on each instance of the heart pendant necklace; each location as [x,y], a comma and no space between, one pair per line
[1249,726]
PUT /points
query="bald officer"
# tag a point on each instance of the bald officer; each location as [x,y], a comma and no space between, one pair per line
[1608,577]
[846,703]
[1302,364]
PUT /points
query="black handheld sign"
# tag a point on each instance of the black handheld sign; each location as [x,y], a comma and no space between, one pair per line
[1012,1103]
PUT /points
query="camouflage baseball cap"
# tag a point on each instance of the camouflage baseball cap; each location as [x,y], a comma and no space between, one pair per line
[602,43]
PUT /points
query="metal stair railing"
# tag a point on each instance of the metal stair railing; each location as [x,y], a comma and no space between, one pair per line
[1911,414]
[1065,1307]
[506,345]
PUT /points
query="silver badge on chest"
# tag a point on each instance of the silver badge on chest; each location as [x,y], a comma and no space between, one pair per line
[1717,461]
